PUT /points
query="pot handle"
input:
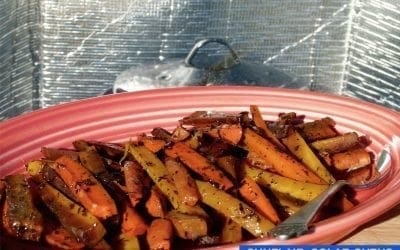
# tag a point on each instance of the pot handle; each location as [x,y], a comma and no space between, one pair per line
[199,44]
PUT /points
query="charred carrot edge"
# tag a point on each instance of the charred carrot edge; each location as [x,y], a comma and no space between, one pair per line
[133,175]
[260,123]
[199,164]
[159,234]
[60,238]
[156,204]
[153,144]
[185,185]
[283,163]
[253,194]
[132,224]
[88,190]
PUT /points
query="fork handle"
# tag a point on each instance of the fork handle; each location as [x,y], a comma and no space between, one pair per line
[298,223]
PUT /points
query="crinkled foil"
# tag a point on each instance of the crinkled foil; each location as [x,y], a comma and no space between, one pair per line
[57,51]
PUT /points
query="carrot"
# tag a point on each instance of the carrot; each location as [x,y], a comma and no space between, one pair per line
[337,143]
[299,148]
[260,123]
[231,133]
[87,189]
[60,238]
[126,243]
[199,164]
[185,185]
[360,175]
[134,175]
[156,204]
[102,245]
[160,234]
[54,153]
[282,163]
[179,134]
[231,231]
[253,194]
[318,129]
[351,159]
[158,172]
[153,144]
[228,164]
[186,226]
[73,217]
[132,224]
[21,218]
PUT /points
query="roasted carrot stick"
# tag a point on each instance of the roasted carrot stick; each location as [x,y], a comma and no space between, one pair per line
[187,226]
[260,123]
[337,143]
[156,204]
[86,188]
[60,238]
[199,164]
[351,159]
[282,163]
[231,133]
[21,218]
[153,144]
[134,175]
[318,129]
[73,217]
[185,185]
[160,234]
[132,224]
[158,172]
[231,231]
[299,147]
[180,134]
[253,194]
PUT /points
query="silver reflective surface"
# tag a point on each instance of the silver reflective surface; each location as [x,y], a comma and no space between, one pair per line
[56,51]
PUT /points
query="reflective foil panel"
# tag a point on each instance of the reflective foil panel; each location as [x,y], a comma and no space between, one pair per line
[57,51]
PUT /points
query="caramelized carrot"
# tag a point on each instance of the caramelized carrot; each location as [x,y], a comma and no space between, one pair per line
[358,176]
[318,129]
[228,164]
[87,189]
[253,194]
[132,224]
[351,159]
[231,231]
[199,164]
[282,163]
[260,123]
[156,204]
[231,133]
[185,185]
[179,134]
[21,218]
[153,144]
[134,175]
[160,234]
[62,239]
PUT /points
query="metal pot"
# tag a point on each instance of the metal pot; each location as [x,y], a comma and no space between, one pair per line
[177,72]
